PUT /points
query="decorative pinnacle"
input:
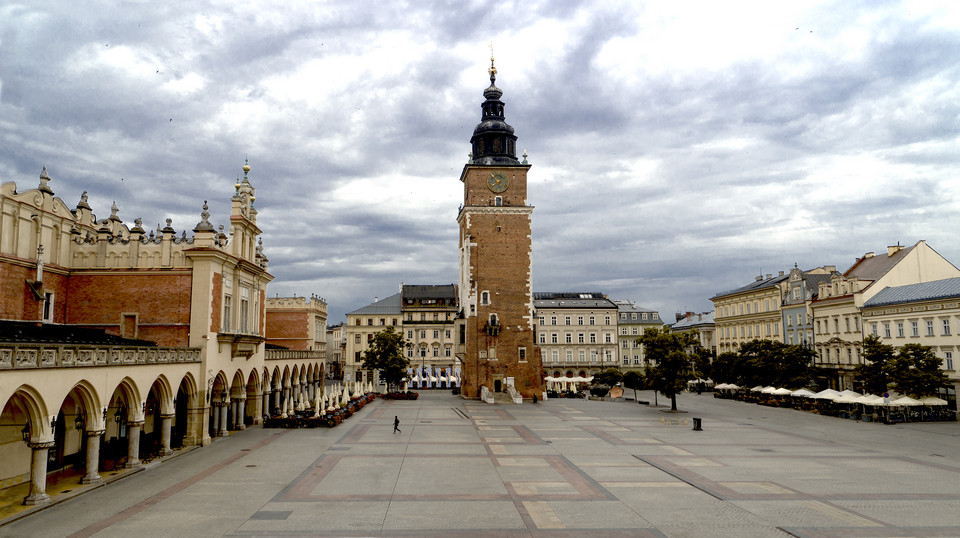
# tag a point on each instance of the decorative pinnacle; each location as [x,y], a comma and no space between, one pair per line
[493,68]
[246,168]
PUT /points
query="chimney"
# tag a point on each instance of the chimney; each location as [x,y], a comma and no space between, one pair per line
[759,278]
[781,273]
[679,316]
[830,268]
[401,286]
[769,275]
[868,255]
[375,299]
[893,249]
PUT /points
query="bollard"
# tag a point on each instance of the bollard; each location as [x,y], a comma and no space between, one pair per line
[696,425]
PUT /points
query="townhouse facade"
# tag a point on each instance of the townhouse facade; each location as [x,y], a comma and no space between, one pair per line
[576,332]
[701,326]
[632,320]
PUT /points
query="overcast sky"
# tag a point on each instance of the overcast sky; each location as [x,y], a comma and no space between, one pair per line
[678,149]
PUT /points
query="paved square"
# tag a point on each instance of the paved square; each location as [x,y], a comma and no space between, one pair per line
[557,468]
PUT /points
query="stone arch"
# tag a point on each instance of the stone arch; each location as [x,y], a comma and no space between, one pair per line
[26,406]
[238,385]
[254,402]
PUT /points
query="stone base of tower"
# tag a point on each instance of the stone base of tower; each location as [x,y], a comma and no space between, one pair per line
[497,374]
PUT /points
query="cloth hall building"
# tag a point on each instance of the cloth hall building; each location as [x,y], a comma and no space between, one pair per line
[116,342]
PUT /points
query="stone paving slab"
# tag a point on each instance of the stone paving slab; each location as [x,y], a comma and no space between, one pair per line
[557,468]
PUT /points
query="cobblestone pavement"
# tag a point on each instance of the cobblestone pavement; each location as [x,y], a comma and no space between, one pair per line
[557,468]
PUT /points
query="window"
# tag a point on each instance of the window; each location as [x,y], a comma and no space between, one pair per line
[498,201]
[370,337]
[606,320]
[553,320]
[543,338]
[635,330]
[593,355]
[370,322]
[914,328]
[423,334]
[423,352]
[553,338]
[436,351]
[569,338]
[626,361]
[789,321]
[410,335]
[555,355]
[625,344]
[789,339]
[796,295]
[541,321]
[623,331]
[930,327]
[566,320]
[633,316]
[607,338]
[410,352]
[383,322]
[856,323]
[948,360]
[582,355]
[447,351]
[358,321]
[436,333]
[244,308]
[846,322]
[569,355]
[356,339]
[946,327]
[48,307]
[636,359]
[644,316]
[522,354]
[886,330]
[591,320]
[227,313]
[873,329]
[900,329]
[579,320]
[485,297]
[656,316]
[593,338]
[580,337]
[446,333]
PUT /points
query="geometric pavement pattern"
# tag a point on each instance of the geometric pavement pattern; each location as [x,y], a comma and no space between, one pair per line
[565,468]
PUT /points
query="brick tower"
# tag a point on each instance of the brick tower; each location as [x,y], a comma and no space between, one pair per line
[496,293]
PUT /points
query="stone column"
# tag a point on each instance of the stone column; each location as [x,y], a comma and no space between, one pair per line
[223,419]
[133,445]
[266,403]
[166,426]
[215,413]
[241,413]
[38,473]
[277,394]
[235,408]
[93,457]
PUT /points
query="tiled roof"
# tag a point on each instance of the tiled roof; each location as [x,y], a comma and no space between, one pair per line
[443,291]
[707,318]
[390,305]
[48,333]
[925,291]
[571,300]
[875,267]
[755,285]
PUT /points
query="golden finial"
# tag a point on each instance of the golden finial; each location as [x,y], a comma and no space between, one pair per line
[493,69]
[246,164]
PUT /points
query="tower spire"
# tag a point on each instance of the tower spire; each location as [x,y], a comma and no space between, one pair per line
[493,140]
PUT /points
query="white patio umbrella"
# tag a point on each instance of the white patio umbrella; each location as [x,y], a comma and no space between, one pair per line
[849,393]
[768,390]
[906,401]
[721,386]
[758,388]
[316,407]
[732,386]
[827,394]
[803,393]
[587,379]
[870,399]
[933,400]
[781,392]
[846,399]
[283,410]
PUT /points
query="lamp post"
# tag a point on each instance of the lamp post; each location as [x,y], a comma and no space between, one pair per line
[25,432]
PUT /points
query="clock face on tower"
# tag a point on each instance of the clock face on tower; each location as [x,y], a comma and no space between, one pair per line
[498,182]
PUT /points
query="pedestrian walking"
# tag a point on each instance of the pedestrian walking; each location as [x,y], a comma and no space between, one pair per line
[396,424]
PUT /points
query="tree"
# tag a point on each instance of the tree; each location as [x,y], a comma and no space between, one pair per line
[385,353]
[672,370]
[916,370]
[726,368]
[633,380]
[873,374]
[609,377]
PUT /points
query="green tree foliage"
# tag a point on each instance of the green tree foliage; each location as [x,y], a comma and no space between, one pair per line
[385,354]
[873,374]
[916,371]
[766,362]
[727,369]
[633,380]
[672,370]
[702,361]
[609,377]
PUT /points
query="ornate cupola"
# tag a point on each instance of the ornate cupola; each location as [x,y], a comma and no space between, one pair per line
[493,140]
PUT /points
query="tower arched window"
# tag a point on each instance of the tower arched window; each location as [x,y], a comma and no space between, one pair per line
[485,297]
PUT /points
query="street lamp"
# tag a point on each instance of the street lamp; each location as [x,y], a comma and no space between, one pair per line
[80,421]
[25,432]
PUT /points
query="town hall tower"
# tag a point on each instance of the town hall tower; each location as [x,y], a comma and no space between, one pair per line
[496,291]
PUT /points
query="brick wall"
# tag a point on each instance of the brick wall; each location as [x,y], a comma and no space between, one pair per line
[160,299]
[288,328]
